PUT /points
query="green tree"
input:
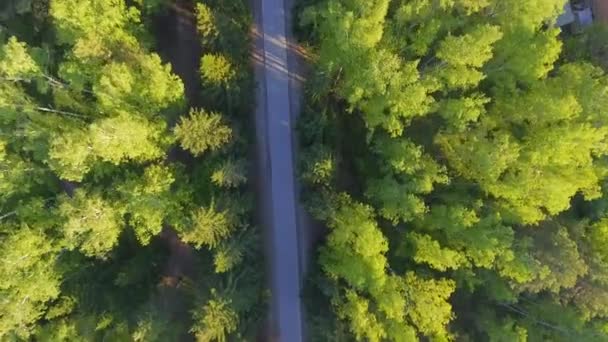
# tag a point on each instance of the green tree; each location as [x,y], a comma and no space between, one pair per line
[77,22]
[408,174]
[355,247]
[208,227]
[427,305]
[543,150]
[202,131]
[230,174]
[147,200]
[215,321]
[124,137]
[144,85]
[464,55]
[115,140]
[92,225]
[16,62]
[29,280]
[216,70]
[206,24]
[364,324]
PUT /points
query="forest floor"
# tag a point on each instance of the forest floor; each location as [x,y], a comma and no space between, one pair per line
[178,44]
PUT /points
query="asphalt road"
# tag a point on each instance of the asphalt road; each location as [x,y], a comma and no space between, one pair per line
[277,97]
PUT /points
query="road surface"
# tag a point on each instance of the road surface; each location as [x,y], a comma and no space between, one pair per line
[278,92]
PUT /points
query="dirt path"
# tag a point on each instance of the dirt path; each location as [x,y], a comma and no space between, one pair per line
[178,44]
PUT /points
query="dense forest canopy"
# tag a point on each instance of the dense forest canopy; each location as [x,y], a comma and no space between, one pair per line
[456,151]
[102,162]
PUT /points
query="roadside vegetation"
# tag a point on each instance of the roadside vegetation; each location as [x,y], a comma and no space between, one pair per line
[456,152]
[100,158]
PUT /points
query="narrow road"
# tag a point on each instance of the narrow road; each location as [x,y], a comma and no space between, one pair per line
[277,96]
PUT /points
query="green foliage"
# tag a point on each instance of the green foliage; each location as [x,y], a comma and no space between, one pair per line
[115,140]
[153,325]
[427,306]
[464,55]
[354,255]
[206,22]
[428,251]
[16,63]
[216,70]
[10,8]
[145,89]
[147,200]
[499,330]
[364,325]
[318,166]
[209,227]
[92,184]
[152,6]
[77,22]
[202,131]
[92,224]
[230,174]
[29,279]
[355,247]
[215,321]
[409,173]
[227,256]
[537,161]
[478,149]
[590,46]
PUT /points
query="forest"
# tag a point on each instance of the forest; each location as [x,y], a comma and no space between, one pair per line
[453,153]
[456,151]
[125,207]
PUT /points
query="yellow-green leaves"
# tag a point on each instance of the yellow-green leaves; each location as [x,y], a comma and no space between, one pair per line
[542,149]
[428,251]
[427,304]
[15,61]
[378,304]
[123,138]
[460,112]
[216,70]
[355,247]
[363,324]
[115,140]
[206,22]
[215,320]
[471,49]
[409,173]
[77,20]
[147,200]
[29,280]
[465,55]
[92,224]
[471,139]
[208,227]
[230,174]
[202,131]
[70,155]
[145,86]
[530,15]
